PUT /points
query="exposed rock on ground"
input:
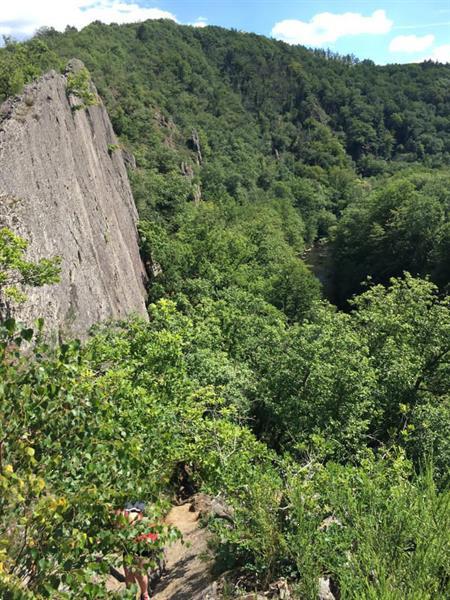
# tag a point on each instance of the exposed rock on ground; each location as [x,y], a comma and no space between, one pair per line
[325,589]
[67,193]
[207,507]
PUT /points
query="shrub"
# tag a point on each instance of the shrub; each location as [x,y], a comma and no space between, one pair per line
[377,530]
[79,84]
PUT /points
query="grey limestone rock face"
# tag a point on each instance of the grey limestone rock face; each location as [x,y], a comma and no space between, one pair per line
[68,194]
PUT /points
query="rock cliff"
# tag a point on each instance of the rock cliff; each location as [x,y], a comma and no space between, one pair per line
[64,188]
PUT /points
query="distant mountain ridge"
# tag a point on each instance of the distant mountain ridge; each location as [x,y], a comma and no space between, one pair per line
[388,112]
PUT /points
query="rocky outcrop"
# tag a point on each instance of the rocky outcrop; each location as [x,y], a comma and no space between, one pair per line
[208,507]
[64,188]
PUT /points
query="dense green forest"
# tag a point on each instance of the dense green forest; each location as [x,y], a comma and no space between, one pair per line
[295,407]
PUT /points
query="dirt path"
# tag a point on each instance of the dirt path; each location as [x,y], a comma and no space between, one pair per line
[188,570]
[188,573]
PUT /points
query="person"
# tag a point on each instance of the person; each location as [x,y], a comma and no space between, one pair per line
[136,568]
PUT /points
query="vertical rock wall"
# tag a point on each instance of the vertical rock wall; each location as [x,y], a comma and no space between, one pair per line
[64,187]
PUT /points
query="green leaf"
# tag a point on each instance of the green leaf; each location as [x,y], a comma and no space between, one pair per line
[10,325]
[27,334]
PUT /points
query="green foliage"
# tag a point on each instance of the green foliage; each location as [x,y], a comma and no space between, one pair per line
[275,123]
[407,329]
[125,397]
[400,226]
[17,272]
[300,101]
[241,117]
[323,389]
[113,148]
[217,247]
[343,382]
[376,530]
[177,390]
[22,63]
[79,85]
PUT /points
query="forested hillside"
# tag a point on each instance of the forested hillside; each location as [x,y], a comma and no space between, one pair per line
[242,121]
[323,422]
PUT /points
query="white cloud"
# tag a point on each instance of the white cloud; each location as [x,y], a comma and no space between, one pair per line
[21,18]
[327,27]
[200,22]
[411,43]
[441,54]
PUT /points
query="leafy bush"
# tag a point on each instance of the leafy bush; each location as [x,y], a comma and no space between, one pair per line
[16,272]
[377,530]
[126,398]
[22,63]
[79,85]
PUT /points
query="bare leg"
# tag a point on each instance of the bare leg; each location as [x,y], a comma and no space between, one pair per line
[142,580]
[129,576]
[137,574]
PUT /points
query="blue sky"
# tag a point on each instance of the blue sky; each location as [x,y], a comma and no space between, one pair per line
[384,31]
